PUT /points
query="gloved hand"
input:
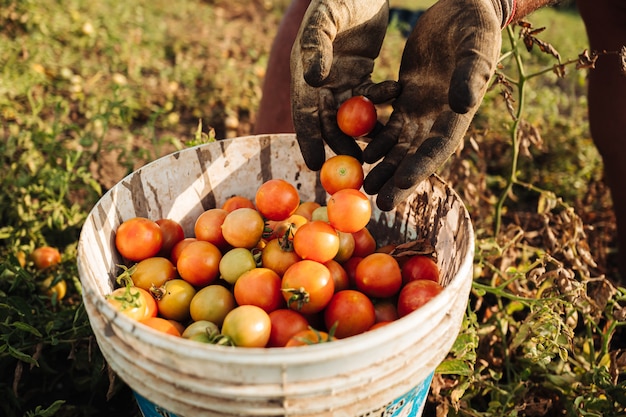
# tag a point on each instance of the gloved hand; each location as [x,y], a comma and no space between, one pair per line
[448,60]
[332,59]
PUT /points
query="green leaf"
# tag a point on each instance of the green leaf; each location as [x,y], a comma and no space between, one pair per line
[20,325]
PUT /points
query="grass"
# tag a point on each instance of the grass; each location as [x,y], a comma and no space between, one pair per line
[89,91]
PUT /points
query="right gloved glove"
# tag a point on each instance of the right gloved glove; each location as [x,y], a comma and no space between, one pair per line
[332,59]
[447,63]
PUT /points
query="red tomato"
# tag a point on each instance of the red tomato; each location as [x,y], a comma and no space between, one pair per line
[350,267]
[153,272]
[285,324]
[340,276]
[356,116]
[138,238]
[278,256]
[199,263]
[45,257]
[237,201]
[317,241]
[306,209]
[349,210]
[260,287]
[162,325]
[208,227]
[178,248]
[415,294]
[277,199]
[307,286]
[309,337]
[212,303]
[350,313]
[247,326]
[364,243]
[174,299]
[386,310]
[340,172]
[172,234]
[133,302]
[378,275]
[243,228]
[419,267]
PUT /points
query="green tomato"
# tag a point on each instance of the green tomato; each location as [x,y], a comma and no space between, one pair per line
[235,262]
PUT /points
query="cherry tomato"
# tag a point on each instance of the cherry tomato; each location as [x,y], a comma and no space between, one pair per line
[277,199]
[237,201]
[350,312]
[285,324]
[178,248]
[378,275]
[172,234]
[339,274]
[243,228]
[198,263]
[340,172]
[350,267]
[174,298]
[234,263]
[364,243]
[385,310]
[317,241]
[287,228]
[208,227]
[306,209]
[260,287]
[379,324]
[309,337]
[201,331]
[212,303]
[133,302]
[346,246]
[307,286]
[415,294]
[54,288]
[419,267]
[162,325]
[45,257]
[279,255]
[138,238]
[349,210]
[153,272]
[247,326]
[356,116]
[320,213]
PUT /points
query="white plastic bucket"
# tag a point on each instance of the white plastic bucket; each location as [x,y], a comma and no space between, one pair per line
[385,372]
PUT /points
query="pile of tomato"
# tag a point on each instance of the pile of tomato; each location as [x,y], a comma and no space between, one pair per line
[272,271]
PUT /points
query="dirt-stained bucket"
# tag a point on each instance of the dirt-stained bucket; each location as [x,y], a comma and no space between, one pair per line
[386,372]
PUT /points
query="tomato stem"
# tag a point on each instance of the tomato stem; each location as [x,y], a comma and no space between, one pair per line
[299,296]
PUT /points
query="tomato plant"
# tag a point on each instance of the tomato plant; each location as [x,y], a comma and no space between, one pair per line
[212,303]
[45,257]
[277,199]
[285,323]
[349,210]
[198,263]
[350,312]
[307,286]
[247,326]
[133,302]
[174,298]
[419,267]
[152,272]
[317,241]
[138,238]
[243,228]
[415,294]
[208,227]
[260,287]
[235,262]
[172,234]
[341,171]
[378,275]
[356,116]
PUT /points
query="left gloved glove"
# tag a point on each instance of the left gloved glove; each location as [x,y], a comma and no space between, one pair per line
[332,59]
[447,63]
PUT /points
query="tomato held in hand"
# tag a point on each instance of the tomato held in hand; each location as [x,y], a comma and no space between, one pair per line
[350,312]
[340,172]
[138,238]
[356,116]
[415,294]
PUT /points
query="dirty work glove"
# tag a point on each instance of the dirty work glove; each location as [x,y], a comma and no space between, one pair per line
[332,59]
[447,62]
